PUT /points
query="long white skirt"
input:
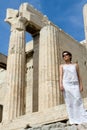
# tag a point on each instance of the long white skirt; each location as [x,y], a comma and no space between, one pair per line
[73,100]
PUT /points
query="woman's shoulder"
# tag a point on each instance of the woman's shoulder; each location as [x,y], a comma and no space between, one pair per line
[61,65]
[76,64]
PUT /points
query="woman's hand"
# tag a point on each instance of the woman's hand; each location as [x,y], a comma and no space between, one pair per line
[81,88]
[61,88]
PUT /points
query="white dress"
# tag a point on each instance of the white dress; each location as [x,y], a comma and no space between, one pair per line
[76,112]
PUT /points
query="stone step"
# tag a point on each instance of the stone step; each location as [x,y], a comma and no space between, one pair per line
[35,119]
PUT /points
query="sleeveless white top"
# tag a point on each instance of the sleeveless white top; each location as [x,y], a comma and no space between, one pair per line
[69,73]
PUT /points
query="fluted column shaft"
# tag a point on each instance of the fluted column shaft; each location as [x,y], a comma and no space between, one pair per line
[15,105]
[49,94]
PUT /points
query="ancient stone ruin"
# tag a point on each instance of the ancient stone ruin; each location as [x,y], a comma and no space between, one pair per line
[29,76]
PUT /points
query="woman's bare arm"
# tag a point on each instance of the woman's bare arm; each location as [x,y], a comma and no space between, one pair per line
[61,78]
[79,78]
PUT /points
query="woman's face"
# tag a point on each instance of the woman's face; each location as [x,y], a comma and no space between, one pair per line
[66,57]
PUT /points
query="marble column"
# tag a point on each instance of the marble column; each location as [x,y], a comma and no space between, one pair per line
[49,94]
[85,22]
[15,102]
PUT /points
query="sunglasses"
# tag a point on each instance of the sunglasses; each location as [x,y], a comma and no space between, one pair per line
[65,54]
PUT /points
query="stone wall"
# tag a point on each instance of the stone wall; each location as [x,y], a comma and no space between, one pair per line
[3,88]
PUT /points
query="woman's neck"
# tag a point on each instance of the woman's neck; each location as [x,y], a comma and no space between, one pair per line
[68,62]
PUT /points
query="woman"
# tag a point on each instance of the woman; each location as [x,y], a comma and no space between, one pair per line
[71,85]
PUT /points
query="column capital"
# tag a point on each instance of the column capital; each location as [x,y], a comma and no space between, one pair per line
[17,23]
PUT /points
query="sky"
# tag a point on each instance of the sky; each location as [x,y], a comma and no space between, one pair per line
[66,14]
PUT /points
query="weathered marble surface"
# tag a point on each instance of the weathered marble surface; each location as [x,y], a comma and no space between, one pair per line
[59,126]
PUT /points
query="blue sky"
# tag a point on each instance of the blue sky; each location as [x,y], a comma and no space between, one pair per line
[66,14]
